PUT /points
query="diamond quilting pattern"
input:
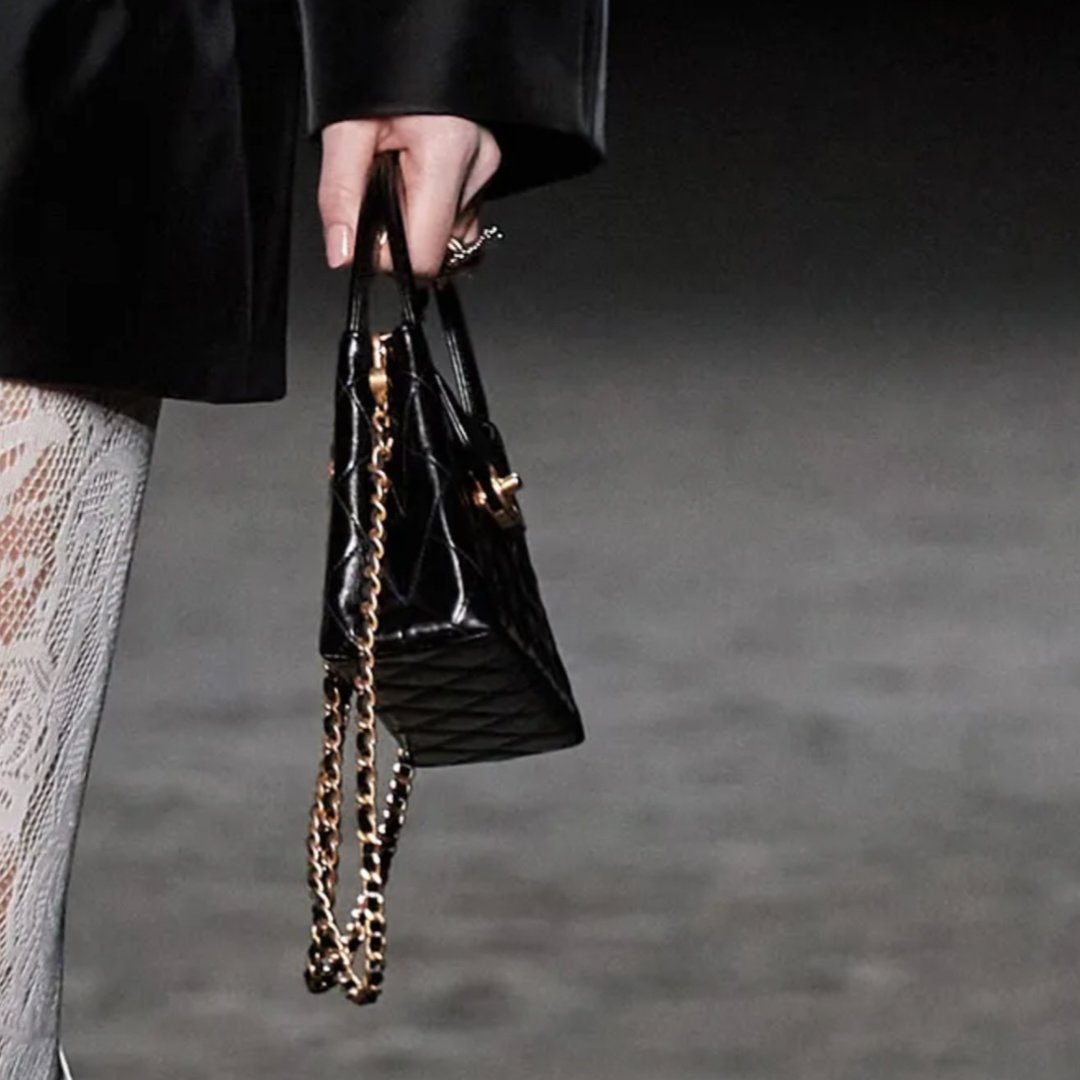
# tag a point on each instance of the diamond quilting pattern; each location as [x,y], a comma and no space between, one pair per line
[467,668]
[474,699]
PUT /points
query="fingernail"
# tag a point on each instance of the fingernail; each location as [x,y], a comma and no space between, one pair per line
[337,245]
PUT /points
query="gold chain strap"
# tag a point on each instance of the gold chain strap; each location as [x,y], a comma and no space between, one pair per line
[330,953]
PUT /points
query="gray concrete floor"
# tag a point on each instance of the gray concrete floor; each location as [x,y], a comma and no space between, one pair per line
[817,590]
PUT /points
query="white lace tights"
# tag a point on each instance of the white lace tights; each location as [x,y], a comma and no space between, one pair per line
[73,469]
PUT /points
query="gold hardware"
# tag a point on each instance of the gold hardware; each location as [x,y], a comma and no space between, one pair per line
[378,379]
[330,953]
[507,513]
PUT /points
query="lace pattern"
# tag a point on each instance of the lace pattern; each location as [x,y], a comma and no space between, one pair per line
[73,470]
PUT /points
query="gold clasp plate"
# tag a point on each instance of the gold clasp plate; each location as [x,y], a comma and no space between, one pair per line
[506,511]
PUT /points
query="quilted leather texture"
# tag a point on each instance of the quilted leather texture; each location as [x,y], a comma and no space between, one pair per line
[466,666]
[470,699]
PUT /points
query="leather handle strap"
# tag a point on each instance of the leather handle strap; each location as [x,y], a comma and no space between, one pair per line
[382,204]
[382,207]
[459,346]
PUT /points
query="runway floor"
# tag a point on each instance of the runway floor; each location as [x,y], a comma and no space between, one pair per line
[817,592]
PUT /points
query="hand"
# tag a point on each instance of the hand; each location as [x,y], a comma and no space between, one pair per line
[445,163]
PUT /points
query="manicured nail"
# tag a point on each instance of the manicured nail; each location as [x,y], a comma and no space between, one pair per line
[337,245]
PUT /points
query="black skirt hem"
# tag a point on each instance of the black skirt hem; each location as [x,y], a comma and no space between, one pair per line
[221,391]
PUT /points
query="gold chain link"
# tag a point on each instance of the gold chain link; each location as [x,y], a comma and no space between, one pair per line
[331,953]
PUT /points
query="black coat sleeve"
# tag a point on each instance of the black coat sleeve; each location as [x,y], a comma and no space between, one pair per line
[531,71]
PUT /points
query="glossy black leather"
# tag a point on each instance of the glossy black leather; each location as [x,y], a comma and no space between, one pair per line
[532,71]
[467,668]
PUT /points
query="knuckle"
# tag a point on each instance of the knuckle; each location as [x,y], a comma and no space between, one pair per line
[458,130]
[486,162]
[490,155]
[427,268]
[425,264]
[445,139]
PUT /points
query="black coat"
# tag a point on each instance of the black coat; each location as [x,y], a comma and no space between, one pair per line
[147,151]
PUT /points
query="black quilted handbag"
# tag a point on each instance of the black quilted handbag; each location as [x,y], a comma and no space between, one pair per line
[432,617]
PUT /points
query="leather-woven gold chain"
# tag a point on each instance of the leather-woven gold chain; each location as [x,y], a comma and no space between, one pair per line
[331,953]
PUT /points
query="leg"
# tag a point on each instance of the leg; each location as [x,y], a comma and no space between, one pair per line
[73,469]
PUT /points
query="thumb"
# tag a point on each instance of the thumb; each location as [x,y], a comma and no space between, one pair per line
[348,148]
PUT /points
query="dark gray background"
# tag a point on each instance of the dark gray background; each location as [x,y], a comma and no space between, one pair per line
[793,385]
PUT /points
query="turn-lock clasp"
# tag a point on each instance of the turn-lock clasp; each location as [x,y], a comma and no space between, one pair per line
[502,504]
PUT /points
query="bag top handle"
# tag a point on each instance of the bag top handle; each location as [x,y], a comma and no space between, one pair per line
[381,206]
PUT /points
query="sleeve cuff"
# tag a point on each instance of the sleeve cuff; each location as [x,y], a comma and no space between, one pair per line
[533,73]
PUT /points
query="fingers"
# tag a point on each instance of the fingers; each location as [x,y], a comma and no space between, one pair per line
[435,167]
[446,162]
[467,226]
[484,166]
[348,149]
